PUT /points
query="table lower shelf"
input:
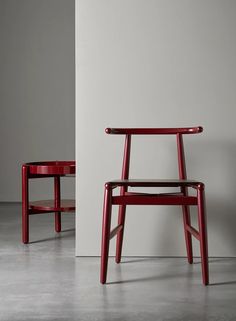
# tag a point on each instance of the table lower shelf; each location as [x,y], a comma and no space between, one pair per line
[49,206]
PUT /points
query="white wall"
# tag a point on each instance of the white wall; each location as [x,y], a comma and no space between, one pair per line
[37,90]
[159,63]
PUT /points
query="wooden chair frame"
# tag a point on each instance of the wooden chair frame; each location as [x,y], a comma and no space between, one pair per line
[130,198]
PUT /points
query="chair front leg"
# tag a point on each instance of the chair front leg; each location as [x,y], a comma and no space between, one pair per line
[106,225]
[25,205]
[203,234]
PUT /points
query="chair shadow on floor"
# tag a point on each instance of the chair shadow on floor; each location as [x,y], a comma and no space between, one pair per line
[145,279]
[223,283]
[70,233]
[213,260]
[153,278]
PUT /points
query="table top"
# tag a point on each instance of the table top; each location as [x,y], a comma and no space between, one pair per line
[52,168]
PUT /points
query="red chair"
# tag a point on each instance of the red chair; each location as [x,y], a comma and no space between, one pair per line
[134,198]
[56,170]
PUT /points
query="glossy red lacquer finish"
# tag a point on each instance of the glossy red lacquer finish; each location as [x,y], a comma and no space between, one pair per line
[50,206]
[154,131]
[180,198]
[54,169]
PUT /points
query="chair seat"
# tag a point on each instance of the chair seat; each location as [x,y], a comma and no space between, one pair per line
[154,183]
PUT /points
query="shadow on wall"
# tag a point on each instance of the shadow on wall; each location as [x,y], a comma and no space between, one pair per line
[221,227]
[213,163]
[159,230]
[219,163]
[219,168]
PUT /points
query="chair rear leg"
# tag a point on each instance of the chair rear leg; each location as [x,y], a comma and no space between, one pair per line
[188,236]
[25,205]
[203,235]
[106,225]
[120,234]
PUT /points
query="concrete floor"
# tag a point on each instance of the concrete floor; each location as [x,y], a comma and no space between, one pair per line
[44,281]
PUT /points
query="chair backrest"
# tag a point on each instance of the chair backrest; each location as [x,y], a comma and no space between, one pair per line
[179,132]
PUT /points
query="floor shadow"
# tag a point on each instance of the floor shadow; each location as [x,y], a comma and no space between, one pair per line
[197,260]
[223,283]
[57,237]
[141,279]
[150,278]
[222,259]
[136,260]
[68,230]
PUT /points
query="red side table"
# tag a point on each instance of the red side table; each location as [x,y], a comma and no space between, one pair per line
[55,169]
